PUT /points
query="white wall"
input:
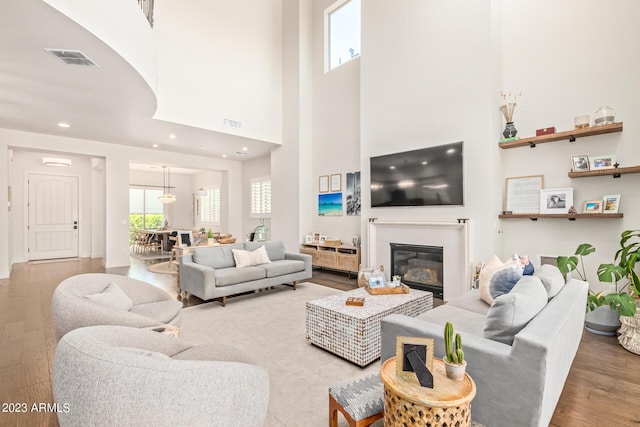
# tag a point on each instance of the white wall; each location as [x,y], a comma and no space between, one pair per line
[567,63]
[427,72]
[231,52]
[336,128]
[255,168]
[291,202]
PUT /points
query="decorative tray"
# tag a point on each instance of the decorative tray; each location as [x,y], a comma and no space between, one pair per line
[402,289]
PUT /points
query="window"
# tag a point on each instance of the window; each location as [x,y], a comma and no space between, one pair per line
[145,210]
[210,206]
[342,32]
[261,197]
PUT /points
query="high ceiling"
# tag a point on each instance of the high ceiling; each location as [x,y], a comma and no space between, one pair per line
[109,103]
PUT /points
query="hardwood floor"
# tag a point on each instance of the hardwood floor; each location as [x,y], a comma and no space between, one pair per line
[603,388]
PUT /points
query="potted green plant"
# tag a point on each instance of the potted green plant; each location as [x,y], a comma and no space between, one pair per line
[604,308]
[210,237]
[454,362]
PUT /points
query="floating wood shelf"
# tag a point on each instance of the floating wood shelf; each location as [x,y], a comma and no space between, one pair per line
[570,217]
[616,172]
[570,135]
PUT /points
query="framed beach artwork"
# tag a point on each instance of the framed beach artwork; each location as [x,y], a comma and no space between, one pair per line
[603,162]
[592,206]
[330,204]
[610,203]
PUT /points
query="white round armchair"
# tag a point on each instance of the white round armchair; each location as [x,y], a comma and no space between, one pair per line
[114,375]
[110,299]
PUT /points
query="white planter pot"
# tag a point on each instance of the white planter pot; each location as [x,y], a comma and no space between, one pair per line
[454,372]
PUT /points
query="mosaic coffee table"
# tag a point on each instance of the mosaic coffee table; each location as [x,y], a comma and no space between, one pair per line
[353,332]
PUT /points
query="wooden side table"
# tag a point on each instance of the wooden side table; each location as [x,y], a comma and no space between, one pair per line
[406,403]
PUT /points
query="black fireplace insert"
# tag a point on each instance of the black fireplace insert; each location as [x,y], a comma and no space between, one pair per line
[419,266]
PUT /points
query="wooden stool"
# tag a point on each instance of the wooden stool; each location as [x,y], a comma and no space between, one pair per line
[360,400]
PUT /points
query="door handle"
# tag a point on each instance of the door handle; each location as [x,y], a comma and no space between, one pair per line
[75,227]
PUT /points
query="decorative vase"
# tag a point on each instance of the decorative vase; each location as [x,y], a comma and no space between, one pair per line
[261,232]
[454,372]
[605,115]
[629,337]
[509,130]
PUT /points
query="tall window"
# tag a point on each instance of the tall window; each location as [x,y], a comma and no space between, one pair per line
[342,32]
[261,197]
[145,210]
[210,207]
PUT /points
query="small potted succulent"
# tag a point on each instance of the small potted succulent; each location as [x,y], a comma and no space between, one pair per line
[454,363]
[210,238]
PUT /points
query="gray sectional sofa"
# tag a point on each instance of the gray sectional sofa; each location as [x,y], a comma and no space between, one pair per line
[518,382]
[211,272]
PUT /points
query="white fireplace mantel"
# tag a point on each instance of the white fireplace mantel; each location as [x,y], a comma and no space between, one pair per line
[452,235]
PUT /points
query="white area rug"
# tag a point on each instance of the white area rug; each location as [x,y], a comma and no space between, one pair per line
[270,325]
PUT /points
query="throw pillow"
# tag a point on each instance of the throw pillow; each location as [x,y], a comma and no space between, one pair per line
[489,268]
[112,296]
[511,312]
[504,279]
[551,278]
[247,259]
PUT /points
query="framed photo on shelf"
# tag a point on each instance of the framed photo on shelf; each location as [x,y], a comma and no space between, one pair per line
[308,238]
[579,163]
[322,238]
[376,280]
[603,162]
[523,193]
[336,182]
[315,237]
[556,200]
[610,203]
[592,206]
[323,184]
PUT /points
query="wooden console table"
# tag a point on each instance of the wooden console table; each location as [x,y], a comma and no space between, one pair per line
[406,403]
[341,257]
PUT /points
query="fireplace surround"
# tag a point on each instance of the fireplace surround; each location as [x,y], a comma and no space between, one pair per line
[451,235]
[420,267]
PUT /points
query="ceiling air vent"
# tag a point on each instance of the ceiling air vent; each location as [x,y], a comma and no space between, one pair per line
[232,123]
[72,57]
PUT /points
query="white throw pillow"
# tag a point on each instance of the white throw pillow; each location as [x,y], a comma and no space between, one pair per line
[551,278]
[248,259]
[112,296]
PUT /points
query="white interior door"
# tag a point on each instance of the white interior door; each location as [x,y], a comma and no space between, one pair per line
[53,216]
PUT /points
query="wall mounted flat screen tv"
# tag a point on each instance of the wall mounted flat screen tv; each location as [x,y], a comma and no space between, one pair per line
[426,177]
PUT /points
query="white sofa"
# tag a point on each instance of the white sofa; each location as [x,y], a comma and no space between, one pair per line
[211,272]
[518,384]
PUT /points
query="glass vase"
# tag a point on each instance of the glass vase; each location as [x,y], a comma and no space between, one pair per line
[261,232]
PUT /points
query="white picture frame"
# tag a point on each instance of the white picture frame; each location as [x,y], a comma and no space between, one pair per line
[556,200]
[308,238]
[602,162]
[580,163]
[610,203]
[523,193]
[376,280]
[185,238]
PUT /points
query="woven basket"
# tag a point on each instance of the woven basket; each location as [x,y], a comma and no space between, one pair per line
[227,241]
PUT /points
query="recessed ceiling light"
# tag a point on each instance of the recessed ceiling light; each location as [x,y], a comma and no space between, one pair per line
[201,147]
[392,167]
[64,125]
[224,156]
[172,136]
[451,151]
[424,163]
[245,149]
[155,145]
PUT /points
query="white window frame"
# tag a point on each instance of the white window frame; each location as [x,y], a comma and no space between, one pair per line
[215,220]
[261,208]
[327,35]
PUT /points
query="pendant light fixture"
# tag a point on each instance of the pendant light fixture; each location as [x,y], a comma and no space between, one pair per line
[166,197]
[201,192]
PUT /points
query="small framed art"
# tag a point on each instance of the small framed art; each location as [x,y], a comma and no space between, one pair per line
[336,182]
[592,206]
[414,359]
[556,200]
[610,203]
[323,184]
[376,280]
[308,238]
[523,193]
[603,162]
[580,163]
